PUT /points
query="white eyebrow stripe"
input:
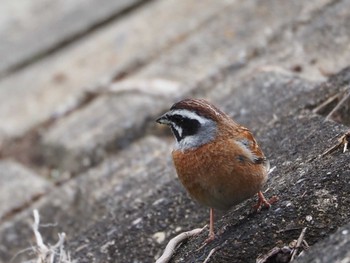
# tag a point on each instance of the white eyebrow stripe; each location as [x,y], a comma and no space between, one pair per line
[178,128]
[189,114]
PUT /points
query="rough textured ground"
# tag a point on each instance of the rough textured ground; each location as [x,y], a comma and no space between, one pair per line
[78,140]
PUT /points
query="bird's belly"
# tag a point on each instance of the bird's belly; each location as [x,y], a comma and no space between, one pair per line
[218,179]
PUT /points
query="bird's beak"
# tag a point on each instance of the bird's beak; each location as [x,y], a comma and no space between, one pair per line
[163,119]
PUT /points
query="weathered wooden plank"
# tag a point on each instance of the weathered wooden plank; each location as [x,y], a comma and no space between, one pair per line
[18,187]
[33,94]
[29,29]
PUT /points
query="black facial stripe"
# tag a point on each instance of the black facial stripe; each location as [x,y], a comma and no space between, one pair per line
[176,118]
[188,126]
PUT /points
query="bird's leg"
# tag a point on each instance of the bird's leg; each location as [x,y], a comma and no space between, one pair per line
[263,202]
[211,236]
[211,225]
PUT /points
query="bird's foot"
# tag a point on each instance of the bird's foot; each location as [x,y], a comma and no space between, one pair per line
[210,239]
[262,202]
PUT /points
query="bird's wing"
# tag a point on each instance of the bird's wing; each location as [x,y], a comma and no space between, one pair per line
[246,140]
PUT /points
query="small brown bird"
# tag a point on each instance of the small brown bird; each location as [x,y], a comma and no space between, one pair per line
[218,161]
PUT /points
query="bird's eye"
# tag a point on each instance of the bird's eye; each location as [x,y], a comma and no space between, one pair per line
[177,118]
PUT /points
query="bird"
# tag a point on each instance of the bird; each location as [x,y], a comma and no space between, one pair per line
[217,160]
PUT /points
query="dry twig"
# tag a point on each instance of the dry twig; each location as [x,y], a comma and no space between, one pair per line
[285,253]
[344,140]
[340,103]
[46,253]
[325,103]
[174,242]
[213,251]
[298,244]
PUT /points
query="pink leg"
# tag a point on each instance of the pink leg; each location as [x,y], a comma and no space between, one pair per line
[263,202]
[211,236]
[211,224]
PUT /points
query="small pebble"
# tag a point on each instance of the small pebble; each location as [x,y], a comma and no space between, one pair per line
[136,221]
[159,237]
[308,218]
